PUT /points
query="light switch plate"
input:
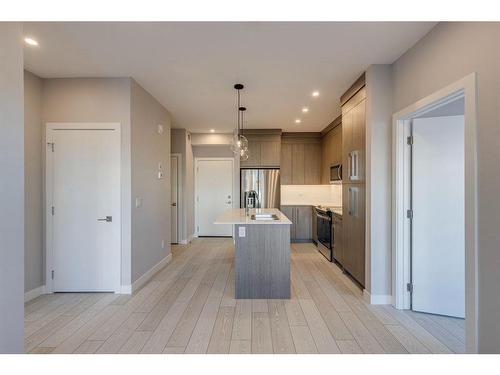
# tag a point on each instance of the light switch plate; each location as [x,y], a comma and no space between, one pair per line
[160,129]
[242,232]
[138,202]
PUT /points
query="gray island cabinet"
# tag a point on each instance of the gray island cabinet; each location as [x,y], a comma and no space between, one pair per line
[262,253]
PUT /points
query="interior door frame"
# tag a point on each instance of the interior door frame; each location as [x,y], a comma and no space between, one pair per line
[49,190]
[196,208]
[179,194]
[466,88]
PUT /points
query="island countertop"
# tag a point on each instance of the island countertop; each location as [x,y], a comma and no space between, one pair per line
[238,216]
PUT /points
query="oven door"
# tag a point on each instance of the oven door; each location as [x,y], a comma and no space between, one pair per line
[324,228]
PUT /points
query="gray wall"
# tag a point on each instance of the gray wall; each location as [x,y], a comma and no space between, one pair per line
[98,100]
[11,189]
[34,264]
[151,221]
[379,181]
[446,54]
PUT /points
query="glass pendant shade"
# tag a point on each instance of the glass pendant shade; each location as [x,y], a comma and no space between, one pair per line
[244,154]
[238,142]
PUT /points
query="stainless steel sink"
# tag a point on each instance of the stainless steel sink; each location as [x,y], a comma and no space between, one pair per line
[264,217]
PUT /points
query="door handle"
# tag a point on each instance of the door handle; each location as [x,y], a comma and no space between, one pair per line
[108,219]
[174,204]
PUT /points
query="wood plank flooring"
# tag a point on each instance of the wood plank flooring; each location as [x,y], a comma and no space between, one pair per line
[189,307]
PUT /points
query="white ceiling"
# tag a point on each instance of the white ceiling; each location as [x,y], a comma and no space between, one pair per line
[191,67]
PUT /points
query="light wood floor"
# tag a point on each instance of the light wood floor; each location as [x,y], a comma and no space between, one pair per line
[189,307]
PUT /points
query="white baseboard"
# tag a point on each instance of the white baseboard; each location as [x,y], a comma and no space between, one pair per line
[149,274]
[125,289]
[32,294]
[377,299]
[188,240]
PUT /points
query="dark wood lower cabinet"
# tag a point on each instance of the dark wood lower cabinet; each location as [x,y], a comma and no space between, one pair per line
[301,218]
[314,225]
[353,230]
[338,250]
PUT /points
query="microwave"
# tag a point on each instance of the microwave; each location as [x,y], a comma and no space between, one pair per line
[336,173]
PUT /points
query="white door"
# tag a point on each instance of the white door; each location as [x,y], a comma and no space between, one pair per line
[174,168]
[438,253]
[214,188]
[84,173]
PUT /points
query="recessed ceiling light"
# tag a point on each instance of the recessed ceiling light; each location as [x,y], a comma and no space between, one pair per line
[298,120]
[305,110]
[212,130]
[315,93]
[31,41]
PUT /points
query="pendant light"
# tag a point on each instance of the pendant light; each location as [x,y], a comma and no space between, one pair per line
[238,141]
[244,145]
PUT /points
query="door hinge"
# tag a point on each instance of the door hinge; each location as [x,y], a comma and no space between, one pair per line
[409,287]
[53,210]
[52,274]
[409,140]
[51,145]
[409,214]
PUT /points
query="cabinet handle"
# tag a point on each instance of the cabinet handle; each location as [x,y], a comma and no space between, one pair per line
[349,166]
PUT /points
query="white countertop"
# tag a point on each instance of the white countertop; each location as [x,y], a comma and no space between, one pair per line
[307,203]
[238,216]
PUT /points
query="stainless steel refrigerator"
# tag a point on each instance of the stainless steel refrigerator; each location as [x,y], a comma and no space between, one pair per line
[265,182]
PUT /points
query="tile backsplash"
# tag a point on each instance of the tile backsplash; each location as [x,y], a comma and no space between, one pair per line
[311,194]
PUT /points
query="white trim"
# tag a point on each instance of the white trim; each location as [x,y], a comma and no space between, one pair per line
[183,242]
[180,204]
[150,273]
[50,126]
[196,160]
[465,87]
[34,293]
[377,299]
[125,289]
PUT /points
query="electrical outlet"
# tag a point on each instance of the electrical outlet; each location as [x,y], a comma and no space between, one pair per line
[242,232]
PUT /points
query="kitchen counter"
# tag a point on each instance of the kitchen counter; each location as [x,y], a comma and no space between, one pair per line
[238,216]
[261,254]
[337,210]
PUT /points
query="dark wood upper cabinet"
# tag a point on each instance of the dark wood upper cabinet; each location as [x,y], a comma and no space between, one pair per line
[331,148]
[301,159]
[264,148]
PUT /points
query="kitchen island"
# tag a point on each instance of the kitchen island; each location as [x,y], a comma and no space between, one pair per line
[262,252]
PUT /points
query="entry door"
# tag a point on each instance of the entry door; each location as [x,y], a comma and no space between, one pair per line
[174,160]
[214,186]
[83,169]
[438,227]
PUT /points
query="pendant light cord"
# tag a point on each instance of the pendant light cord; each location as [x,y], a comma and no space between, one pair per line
[238,112]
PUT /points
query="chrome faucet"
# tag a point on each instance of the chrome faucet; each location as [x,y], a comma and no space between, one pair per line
[251,200]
